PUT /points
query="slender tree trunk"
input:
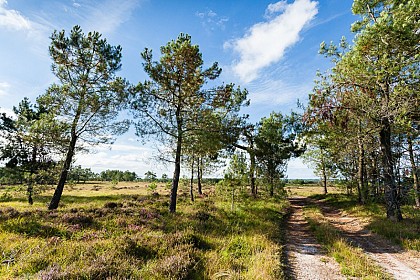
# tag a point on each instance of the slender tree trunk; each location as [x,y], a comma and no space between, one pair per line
[199,174]
[271,186]
[374,176]
[192,180]
[393,211]
[324,179]
[416,185]
[252,173]
[232,206]
[323,171]
[32,171]
[398,176]
[64,172]
[360,178]
[175,181]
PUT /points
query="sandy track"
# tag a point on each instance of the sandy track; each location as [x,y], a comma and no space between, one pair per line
[399,263]
[306,258]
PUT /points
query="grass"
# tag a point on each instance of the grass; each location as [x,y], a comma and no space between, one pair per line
[310,189]
[405,233]
[105,231]
[353,262]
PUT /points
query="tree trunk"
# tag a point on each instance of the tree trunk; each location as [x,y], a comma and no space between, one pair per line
[374,176]
[232,205]
[64,172]
[271,186]
[175,181]
[324,179]
[361,188]
[32,171]
[416,185]
[323,171]
[192,180]
[393,211]
[252,173]
[199,174]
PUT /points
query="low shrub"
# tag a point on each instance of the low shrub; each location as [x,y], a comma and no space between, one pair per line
[81,219]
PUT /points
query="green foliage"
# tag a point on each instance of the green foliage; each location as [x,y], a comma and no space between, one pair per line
[276,142]
[6,196]
[88,89]
[79,174]
[235,177]
[150,176]
[118,176]
[173,105]
[88,96]
[370,97]
[152,187]
[30,142]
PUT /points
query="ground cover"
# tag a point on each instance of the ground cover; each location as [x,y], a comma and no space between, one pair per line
[122,231]
[405,233]
[359,237]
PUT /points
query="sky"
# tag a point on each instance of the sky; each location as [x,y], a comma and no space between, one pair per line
[267,47]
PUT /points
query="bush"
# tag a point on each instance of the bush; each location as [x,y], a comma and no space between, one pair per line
[238,247]
[77,219]
[5,197]
[178,264]
[112,205]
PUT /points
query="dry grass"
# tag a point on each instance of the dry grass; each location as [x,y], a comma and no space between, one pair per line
[310,189]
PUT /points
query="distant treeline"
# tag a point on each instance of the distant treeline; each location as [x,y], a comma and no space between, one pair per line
[78,174]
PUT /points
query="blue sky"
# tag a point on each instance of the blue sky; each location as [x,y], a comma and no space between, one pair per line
[268,47]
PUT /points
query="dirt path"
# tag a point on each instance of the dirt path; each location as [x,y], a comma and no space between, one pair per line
[396,261]
[305,256]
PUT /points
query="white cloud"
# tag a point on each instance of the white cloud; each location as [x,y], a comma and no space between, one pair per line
[76,5]
[114,160]
[4,89]
[296,169]
[122,156]
[265,42]
[9,112]
[276,7]
[123,148]
[277,92]
[107,16]
[211,21]
[12,19]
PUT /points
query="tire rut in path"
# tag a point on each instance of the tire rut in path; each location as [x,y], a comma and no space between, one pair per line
[399,263]
[306,258]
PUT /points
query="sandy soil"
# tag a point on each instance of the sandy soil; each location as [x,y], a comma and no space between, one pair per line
[396,261]
[305,257]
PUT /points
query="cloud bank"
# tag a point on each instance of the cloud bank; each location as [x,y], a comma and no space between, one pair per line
[265,42]
[12,19]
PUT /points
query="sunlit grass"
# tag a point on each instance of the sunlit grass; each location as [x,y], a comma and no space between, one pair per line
[103,230]
[310,189]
